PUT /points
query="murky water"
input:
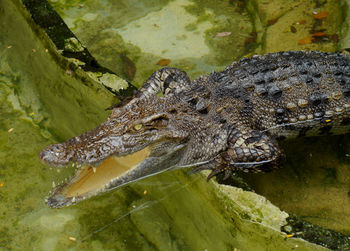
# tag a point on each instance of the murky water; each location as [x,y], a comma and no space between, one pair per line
[138,34]
[42,104]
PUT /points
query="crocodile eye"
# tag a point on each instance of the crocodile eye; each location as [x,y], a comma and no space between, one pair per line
[138,127]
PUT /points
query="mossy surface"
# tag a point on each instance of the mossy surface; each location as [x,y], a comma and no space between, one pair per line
[65,47]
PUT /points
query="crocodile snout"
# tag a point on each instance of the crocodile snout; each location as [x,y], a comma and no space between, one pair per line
[55,155]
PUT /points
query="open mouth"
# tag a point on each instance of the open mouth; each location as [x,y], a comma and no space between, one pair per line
[90,180]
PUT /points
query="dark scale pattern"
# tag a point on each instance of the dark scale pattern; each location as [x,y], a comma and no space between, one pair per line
[299,83]
[223,121]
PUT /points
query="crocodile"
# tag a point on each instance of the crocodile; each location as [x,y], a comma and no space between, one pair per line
[225,122]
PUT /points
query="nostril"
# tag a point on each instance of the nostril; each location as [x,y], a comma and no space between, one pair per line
[42,154]
[46,157]
[54,155]
[58,148]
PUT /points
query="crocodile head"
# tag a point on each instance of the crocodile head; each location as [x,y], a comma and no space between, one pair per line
[146,136]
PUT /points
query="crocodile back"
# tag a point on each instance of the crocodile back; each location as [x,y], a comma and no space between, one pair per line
[286,93]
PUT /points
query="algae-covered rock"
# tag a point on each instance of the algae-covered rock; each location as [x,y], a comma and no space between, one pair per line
[113,82]
[73,45]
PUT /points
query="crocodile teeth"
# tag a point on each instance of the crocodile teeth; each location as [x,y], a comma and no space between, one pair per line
[94,169]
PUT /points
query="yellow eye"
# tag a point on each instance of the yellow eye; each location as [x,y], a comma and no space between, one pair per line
[138,127]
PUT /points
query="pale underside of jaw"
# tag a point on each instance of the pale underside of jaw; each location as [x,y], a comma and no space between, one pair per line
[90,180]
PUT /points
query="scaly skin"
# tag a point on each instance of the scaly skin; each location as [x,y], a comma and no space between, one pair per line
[223,121]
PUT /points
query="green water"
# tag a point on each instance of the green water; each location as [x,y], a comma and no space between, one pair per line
[42,103]
[147,31]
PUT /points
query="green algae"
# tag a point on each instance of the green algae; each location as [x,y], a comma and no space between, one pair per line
[103,36]
[32,110]
[24,180]
[171,217]
[40,75]
[71,53]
